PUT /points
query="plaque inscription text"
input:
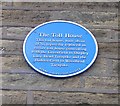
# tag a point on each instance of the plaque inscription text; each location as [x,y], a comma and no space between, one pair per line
[61,51]
[60,48]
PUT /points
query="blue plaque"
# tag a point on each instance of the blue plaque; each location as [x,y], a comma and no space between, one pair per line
[60,48]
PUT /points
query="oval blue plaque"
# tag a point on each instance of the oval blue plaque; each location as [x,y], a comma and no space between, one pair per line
[60,48]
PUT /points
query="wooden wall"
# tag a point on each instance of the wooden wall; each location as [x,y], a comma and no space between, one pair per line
[22,85]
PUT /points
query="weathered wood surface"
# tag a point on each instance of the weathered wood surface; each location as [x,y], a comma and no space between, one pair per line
[98,85]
